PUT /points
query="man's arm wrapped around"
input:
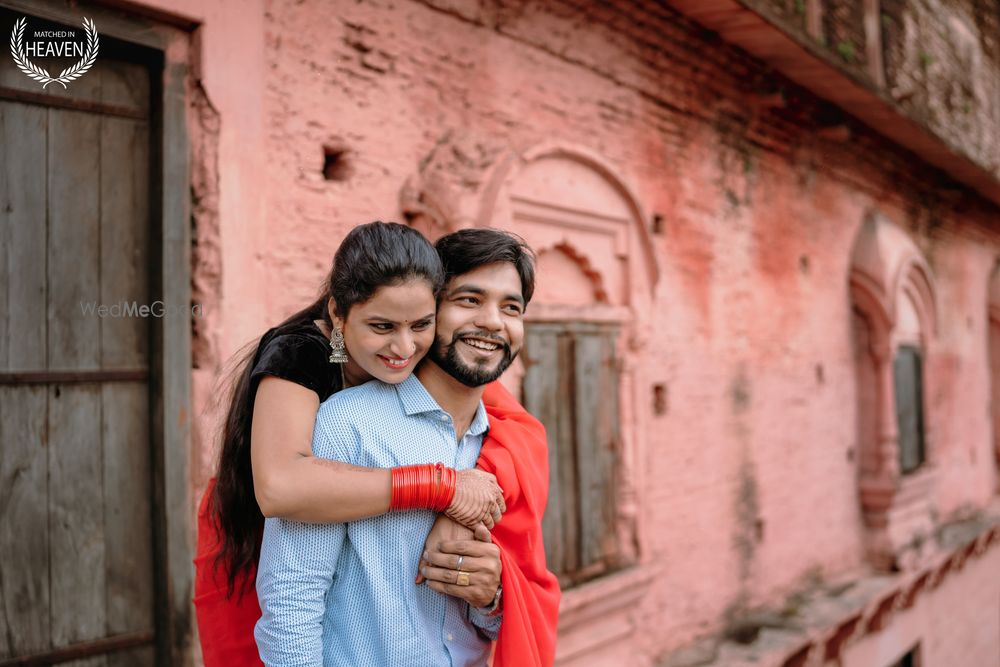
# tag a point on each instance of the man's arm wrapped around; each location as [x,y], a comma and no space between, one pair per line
[516,451]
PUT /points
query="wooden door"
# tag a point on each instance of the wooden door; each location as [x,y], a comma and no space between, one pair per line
[76,537]
[571,385]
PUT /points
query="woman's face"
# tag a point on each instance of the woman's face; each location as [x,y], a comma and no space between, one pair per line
[387,335]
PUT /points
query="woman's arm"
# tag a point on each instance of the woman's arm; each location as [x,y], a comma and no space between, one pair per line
[289,482]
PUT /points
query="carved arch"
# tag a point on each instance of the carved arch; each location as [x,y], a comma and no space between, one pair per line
[507,168]
[914,278]
[599,293]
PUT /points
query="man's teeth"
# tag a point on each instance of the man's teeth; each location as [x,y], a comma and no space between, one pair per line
[480,345]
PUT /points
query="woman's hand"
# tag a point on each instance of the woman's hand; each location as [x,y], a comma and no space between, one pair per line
[478,499]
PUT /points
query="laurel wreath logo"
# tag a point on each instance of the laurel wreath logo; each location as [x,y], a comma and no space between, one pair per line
[41,74]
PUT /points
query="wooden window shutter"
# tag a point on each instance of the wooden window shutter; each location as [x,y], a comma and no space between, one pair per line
[908,383]
[571,385]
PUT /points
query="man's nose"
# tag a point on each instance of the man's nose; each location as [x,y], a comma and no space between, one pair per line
[489,319]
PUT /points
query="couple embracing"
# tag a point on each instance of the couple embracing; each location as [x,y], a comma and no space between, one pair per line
[403,487]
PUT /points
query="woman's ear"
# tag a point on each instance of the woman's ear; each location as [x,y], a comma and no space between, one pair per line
[332,309]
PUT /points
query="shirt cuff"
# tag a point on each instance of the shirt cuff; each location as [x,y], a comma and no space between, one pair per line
[487,626]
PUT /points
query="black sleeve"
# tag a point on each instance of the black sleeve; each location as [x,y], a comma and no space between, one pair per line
[296,358]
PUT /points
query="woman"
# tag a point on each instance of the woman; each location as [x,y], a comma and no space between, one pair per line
[266,467]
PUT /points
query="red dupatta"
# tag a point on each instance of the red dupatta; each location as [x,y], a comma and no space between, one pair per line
[516,451]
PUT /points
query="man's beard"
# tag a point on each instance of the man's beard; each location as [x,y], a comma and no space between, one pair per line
[446,356]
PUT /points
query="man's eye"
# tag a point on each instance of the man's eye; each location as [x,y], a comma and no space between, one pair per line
[468,299]
[513,309]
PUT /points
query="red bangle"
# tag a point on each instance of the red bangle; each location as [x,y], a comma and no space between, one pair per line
[446,491]
[425,486]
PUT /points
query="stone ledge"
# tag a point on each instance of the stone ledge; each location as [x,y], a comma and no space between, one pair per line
[824,623]
[599,612]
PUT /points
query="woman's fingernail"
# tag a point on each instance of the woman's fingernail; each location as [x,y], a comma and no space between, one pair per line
[423,571]
[425,556]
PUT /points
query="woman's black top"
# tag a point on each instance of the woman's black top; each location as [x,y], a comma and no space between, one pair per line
[299,353]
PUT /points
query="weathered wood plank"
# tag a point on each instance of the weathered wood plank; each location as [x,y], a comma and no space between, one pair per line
[591,397]
[124,240]
[74,240]
[76,497]
[137,657]
[609,428]
[566,450]
[24,543]
[540,399]
[125,227]
[171,267]
[128,533]
[76,515]
[125,85]
[22,237]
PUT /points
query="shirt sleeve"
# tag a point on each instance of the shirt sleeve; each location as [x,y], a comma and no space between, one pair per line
[487,626]
[296,358]
[296,569]
[297,564]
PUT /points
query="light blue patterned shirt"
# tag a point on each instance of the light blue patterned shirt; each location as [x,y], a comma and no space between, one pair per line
[344,594]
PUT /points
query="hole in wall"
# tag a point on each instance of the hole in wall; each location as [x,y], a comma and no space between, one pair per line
[659,399]
[657,224]
[336,166]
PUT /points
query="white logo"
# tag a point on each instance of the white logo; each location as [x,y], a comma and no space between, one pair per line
[53,49]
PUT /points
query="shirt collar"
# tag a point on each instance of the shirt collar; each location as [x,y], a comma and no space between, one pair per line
[417,400]
[415,397]
[480,423]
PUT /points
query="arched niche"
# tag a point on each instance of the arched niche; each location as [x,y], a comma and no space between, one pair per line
[895,304]
[560,196]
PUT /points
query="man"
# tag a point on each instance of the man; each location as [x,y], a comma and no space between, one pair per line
[343,594]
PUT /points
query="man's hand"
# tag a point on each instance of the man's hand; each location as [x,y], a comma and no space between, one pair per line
[448,541]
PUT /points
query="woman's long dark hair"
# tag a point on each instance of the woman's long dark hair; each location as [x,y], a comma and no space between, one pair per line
[371,256]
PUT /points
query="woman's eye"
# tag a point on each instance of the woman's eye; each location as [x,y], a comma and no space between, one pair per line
[421,326]
[381,326]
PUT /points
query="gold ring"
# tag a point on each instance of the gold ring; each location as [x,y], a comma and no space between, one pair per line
[463,579]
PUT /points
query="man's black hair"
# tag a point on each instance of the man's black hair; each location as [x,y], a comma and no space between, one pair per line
[468,249]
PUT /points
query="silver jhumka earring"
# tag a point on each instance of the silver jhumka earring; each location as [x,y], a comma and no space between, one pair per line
[338,353]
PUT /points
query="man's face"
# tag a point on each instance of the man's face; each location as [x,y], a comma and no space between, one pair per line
[480,325]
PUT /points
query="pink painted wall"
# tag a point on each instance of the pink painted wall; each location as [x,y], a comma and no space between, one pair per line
[746,489]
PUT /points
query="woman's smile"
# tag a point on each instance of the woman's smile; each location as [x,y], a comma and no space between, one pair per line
[394,363]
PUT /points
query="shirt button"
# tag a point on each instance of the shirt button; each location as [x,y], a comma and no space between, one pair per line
[444,418]
[450,637]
